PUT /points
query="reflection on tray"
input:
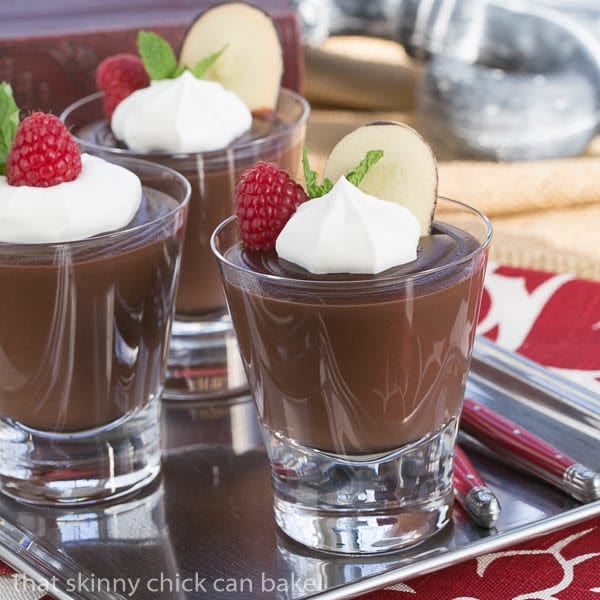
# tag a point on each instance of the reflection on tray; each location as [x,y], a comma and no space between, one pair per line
[229,424]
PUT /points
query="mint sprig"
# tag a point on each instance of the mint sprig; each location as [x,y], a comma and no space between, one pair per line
[9,121]
[160,61]
[313,188]
[157,55]
[357,174]
[355,177]
[207,62]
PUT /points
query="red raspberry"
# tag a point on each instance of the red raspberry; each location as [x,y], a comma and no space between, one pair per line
[266,198]
[119,76]
[43,153]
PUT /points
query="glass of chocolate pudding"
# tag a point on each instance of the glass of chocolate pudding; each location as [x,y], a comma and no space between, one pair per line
[359,382]
[203,358]
[84,334]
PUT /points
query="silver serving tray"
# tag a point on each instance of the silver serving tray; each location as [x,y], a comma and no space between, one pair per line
[208,525]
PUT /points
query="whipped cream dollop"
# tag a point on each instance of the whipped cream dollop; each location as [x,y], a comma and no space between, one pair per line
[103,198]
[348,231]
[185,114]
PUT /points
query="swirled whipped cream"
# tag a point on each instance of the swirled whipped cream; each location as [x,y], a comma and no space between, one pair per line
[348,231]
[185,114]
[103,198]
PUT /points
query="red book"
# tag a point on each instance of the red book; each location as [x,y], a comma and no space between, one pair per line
[49,49]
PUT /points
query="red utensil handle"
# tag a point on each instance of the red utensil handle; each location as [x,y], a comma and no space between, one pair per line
[466,476]
[496,430]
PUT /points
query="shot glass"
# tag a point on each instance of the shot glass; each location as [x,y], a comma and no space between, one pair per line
[359,384]
[84,333]
[203,358]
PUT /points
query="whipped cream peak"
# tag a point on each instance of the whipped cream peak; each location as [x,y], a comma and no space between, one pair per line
[185,114]
[104,197]
[348,231]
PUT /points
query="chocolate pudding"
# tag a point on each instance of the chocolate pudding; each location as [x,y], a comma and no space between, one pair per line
[358,364]
[213,177]
[213,196]
[84,325]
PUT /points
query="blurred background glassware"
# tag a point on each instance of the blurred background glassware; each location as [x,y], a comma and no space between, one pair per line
[203,355]
[516,80]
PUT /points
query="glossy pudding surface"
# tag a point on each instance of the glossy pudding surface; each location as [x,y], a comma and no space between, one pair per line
[84,325]
[359,364]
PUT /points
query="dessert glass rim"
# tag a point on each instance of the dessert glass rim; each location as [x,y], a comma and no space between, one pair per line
[107,236]
[379,280]
[249,145]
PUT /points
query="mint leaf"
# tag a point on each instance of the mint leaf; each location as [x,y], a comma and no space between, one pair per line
[178,71]
[313,189]
[356,176]
[207,62]
[9,121]
[310,177]
[157,55]
[326,186]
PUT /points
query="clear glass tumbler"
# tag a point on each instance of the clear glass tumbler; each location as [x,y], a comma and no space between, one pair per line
[203,359]
[84,333]
[359,383]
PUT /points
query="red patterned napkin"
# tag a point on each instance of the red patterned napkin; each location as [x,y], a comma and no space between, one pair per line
[564,565]
[554,320]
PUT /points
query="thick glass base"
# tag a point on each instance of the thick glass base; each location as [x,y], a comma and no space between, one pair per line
[204,361]
[363,504]
[84,467]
